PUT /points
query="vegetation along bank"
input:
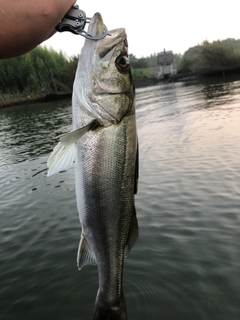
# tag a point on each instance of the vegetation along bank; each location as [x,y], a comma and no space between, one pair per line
[43,74]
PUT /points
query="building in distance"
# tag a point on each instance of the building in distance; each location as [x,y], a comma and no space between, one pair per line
[166,61]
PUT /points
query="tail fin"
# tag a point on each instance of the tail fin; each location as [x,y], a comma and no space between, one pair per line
[118,312]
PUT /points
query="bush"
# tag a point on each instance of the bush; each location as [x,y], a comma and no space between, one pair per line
[211,57]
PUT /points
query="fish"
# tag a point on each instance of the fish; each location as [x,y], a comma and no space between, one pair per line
[103,144]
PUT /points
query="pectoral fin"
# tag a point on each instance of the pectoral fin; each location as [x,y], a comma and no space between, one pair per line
[73,136]
[63,154]
[85,255]
[61,158]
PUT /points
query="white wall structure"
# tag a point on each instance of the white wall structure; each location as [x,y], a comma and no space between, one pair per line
[165,60]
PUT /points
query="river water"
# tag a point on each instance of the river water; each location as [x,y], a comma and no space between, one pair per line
[186,263]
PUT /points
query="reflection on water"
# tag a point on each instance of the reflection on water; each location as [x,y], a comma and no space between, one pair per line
[186,262]
[28,132]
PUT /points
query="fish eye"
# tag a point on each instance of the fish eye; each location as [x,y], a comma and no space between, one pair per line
[123,62]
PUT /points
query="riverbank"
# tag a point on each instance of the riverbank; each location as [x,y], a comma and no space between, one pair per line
[233,74]
[17,101]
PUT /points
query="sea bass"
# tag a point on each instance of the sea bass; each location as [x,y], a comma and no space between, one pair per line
[103,144]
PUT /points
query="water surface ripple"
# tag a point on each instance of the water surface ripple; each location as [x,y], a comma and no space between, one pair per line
[185,264]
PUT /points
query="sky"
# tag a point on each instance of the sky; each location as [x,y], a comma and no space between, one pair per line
[154,25]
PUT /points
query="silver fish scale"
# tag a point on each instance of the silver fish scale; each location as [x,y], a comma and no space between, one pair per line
[105,190]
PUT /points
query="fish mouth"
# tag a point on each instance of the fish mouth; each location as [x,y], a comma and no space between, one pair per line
[96,25]
[106,45]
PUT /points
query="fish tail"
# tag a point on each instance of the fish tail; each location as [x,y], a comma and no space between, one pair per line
[107,312]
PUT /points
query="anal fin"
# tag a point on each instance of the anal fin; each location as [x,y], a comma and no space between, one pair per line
[85,255]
